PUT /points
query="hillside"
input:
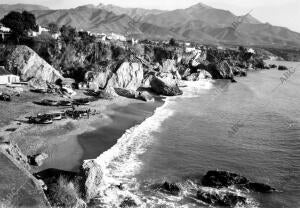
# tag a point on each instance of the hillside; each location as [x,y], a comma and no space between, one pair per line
[197,23]
[87,18]
[6,8]
[136,13]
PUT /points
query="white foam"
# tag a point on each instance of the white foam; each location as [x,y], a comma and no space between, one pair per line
[197,88]
[120,163]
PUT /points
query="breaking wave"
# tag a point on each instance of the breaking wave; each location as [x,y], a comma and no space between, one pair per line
[121,163]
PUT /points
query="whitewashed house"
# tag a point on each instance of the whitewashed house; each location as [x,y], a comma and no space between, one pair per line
[114,36]
[251,50]
[39,32]
[4,32]
[7,78]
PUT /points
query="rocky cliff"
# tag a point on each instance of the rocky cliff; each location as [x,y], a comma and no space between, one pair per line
[25,62]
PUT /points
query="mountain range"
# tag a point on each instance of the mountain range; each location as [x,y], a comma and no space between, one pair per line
[199,22]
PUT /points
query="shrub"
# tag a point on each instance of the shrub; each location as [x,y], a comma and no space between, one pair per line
[173,42]
[64,193]
[259,63]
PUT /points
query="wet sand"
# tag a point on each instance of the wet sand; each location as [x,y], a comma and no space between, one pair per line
[103,134]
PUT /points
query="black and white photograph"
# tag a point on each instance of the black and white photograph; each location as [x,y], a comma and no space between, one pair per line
[149,104]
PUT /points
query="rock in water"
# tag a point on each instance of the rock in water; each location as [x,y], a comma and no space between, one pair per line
[221,179]
[260,187]
[37,160]
[128,202]
[170,188]
[128,76]
[216,198]
[92,178]
[165,87]
[28,64]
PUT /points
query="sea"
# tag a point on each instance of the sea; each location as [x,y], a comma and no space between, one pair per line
[251,128]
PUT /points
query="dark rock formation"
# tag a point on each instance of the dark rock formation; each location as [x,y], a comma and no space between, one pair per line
[37,160]
[282,68]
[128,202]
[260,187]
[220,199]
[144,96]
[127,93]
[273,66]
[170,188]
[221,179]
[165,87]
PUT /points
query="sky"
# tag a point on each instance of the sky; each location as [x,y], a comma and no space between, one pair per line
[276,12]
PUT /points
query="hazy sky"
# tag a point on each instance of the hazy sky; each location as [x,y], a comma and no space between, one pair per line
[277,12]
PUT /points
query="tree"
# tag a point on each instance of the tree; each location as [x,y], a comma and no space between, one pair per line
[53,28]
[68,33]
[29,21]
[20,23]
[172,42]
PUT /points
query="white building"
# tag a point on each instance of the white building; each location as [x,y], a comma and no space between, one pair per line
[251,50]
[7,77]
[39,32]
[114,36]
[4,31]
[189,49]
[56,35]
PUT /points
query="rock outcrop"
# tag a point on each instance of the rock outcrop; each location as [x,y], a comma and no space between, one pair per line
[217,198]
[128,76]
[169,66]
[202,74]
[260,187]
[170,188]
[38,159]
[221,179]
[221,70]
[92,178]
[128,202]
[35,83]
[28,64]
[98,78]
[144,96]
[165,87]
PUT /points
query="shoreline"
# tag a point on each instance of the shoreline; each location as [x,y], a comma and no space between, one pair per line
[100,134]
[34,139]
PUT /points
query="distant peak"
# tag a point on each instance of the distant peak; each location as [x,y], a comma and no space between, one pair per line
[200,5]
[87,6]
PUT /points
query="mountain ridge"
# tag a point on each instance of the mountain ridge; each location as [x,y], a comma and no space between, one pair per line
[199,22]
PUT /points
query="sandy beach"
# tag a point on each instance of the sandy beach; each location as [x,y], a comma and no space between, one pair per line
[63,140]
